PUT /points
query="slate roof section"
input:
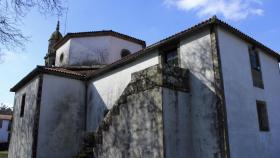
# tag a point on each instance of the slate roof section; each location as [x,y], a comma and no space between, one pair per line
[99,33]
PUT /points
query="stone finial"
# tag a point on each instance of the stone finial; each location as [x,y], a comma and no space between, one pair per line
[57,26]
[214,18]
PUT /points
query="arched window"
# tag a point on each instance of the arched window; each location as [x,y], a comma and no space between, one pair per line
[61,57]
[125,52]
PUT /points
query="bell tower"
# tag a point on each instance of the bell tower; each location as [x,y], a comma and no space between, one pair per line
[55,37]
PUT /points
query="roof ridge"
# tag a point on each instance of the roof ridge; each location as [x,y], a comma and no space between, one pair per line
[214,20]
[98,33]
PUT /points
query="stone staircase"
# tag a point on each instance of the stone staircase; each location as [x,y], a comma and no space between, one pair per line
[134,126]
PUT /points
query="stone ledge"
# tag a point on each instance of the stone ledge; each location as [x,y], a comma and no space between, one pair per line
[160,75]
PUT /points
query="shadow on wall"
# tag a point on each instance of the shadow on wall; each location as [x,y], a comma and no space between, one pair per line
[66,125]
[21,140]
[204,101]
[92,57]
[135,126]
[137,130]
[99,104]
[200,62]
[95,110]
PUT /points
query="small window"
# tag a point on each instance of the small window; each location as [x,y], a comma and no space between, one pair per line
[61,57]
[22,105]
[125,52]
[256,68]
[262,116]
[171,57]
[1,123]
[254,59]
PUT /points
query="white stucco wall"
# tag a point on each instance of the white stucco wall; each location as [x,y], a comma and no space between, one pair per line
[62,117]
[105,90]
[22,128]
[101,49]
[4,133]
[118,44]
[245,138]
[88,49]
[195,55]
[177,124]
[64,49]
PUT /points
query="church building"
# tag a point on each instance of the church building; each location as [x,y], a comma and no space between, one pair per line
[209,91]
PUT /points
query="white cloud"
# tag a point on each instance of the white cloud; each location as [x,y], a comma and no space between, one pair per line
[229,9]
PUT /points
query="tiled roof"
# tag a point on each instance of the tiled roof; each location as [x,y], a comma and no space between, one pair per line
[99,33]
[86,73]
[214,21]
[61,70]
[75,72]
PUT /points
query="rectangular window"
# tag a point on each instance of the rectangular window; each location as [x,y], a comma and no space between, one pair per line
[254,59]
[1,123]
[171,57]
[22,105]
[256,68]
[262,116]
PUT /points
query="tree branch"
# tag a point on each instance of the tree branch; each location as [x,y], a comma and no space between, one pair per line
[11,13]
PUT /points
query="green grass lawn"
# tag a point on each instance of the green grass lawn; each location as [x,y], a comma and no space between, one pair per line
[3,154]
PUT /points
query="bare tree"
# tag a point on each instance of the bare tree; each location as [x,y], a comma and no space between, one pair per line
[11,14]
[5,110]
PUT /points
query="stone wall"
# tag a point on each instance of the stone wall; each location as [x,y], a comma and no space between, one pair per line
[104,91]
[135,127]
[138,129]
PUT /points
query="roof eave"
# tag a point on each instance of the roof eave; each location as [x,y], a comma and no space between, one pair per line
[26,79]
[203,25]
[98,33]
[139,54]
[41,70]
[247,38]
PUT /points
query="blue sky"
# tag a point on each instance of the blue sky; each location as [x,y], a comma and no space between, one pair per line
[144,19]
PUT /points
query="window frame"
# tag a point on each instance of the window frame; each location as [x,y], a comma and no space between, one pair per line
[262,113]
[255,54]
[256,71]
[1,123]
[22,105]
[164,53]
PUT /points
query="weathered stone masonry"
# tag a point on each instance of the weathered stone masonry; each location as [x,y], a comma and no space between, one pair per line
[134,127]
